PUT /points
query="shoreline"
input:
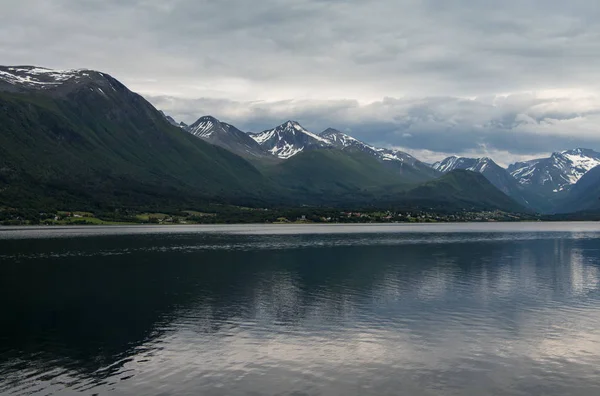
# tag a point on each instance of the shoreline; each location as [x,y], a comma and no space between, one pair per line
[37,232]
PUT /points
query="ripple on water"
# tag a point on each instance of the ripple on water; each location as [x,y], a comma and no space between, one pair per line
[418,314]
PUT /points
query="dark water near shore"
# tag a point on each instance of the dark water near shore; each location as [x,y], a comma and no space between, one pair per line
[494,309]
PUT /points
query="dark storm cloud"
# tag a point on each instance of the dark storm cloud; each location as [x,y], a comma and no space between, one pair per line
[335,63]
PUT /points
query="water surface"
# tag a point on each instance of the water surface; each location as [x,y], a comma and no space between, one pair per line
[497,309]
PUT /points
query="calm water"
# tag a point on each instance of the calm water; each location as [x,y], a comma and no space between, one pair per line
[472,309]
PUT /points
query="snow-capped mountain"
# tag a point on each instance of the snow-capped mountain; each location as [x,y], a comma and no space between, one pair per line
[343,141]
[226,136]
[208,126]
[558,172]
[497,175]
[472,164]
[38,77]
[27,78]
[289,139]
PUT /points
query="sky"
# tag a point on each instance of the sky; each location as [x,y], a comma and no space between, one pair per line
[511,79]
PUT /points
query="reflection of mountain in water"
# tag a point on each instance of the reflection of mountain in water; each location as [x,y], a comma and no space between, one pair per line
[93,314]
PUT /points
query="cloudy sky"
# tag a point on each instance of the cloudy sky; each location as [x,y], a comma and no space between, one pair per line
[509,79]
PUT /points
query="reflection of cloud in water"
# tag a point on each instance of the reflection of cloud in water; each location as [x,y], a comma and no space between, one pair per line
[241,358]
[584,278]
[500,316]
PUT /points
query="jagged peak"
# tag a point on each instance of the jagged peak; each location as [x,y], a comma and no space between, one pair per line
[445,160]
[287,127]
[209,117]
[206,125]
[330,131]
[558,171]
[292,125]
[472,164]
[457,158]
[579,151]
[337,133]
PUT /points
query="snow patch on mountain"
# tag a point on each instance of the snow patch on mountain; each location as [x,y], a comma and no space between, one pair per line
[580,164]
[286,151]
[445,165]
[471,164]
[341,140]
[395,155]
[289,139]
[30,76]
[558,172]
[227,136]
[205,127]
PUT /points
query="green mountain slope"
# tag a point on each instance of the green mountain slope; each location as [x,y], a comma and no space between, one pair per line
[408,172]
[460,190]
[80,140]
[332,175]
[91,141]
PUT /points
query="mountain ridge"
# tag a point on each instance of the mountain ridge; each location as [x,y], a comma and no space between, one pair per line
[89,141]
[411,168]
[81,136]
[288,139]
[463,189]
[496,174]
[581,160]
[556,173]
[404,163]
[583,196]
[227,136]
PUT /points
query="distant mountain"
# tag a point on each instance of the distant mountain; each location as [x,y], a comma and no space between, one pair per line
[80,139]
[557,173]
[343,141]
[497,175]
[354,177]
[227,136]
[405,164]
[461,190]
[289,139]
[583,195]
[173,122]
[473,164]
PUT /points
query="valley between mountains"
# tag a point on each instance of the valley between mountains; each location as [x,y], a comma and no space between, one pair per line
[79,140]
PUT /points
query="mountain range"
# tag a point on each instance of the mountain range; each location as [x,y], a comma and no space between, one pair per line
[226,136]
[558,172]
[81,139]
[497,175]
[541,185]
